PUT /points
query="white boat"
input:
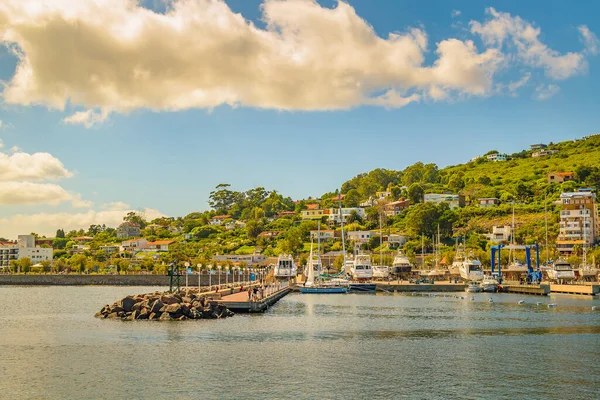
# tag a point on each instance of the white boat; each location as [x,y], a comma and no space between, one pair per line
[489,284]
[285,268]
[313,263]
[561,271]
[361,268]
[470,270]
[381,271]
[401,264]
[473,287]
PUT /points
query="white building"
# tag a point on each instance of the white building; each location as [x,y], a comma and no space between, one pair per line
[578,221]
[497,157]
[247,259]
[24,248]
[324,234]
[454,200]
[134,245]
[500,234]
[360,236]
[333,216]
[219,219]
[159,245]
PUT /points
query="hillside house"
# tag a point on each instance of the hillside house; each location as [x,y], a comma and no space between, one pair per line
[219,219]
[127,230]
[560,177]
[326,234]
[159,245]
[543,153]
[453,200]
[500,234]
[497,157]
[394,208]
[487,202]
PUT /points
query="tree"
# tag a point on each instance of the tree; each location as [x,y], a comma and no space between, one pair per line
[222,199]
[24,264]
[133,217]
[352,198]
[60,234]
[354,217]
[59,243]
[456,181]
[254,228]
[415,193]
[78,262]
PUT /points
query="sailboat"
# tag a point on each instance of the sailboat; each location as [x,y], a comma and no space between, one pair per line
[515,266]
[381,271]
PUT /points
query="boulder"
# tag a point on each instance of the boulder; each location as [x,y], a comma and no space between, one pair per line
[112,315]
[173,308]
[117,309]
[186,299]
[127,303]
[137,306]
[165,317]
[185,309]
[170,299]
[156,306]
[143,314]
[154,316]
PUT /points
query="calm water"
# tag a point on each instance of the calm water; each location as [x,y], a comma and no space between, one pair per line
[307,346]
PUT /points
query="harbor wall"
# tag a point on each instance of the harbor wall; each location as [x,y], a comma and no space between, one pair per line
[107,280]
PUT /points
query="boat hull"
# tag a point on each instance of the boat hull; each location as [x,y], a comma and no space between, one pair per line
[323,290]
[363,287]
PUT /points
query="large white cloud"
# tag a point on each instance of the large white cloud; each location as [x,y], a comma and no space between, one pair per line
[28,193]
[31,167]
[47,223]
[504,29]
[115,55]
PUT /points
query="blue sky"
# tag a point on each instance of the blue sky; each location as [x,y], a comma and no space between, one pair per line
[164,154]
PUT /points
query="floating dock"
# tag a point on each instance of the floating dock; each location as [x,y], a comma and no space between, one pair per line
[539,290]
[586,290]
[240,303]
[421,287]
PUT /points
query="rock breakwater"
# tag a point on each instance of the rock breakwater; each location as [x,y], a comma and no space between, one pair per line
[187,304]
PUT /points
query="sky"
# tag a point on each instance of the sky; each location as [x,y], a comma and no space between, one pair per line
[116,105]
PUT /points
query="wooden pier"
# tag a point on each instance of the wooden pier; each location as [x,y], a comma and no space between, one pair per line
[239,302]
[539,290]
[586,290]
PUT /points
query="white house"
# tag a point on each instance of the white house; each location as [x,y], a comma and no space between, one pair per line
[360,236]
[486,202]
[323,234]
[395,240]
[109,248]
[500,234]
[454,200]
[497,157]
[219,219]
[334,214]
[134,245]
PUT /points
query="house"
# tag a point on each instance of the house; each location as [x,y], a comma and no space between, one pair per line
[234,224]
[159,245]
[284,214]
[360,236]
[497,157]
[269,234]
[83,239]
[538,146]
[382,195]
[9,251]
[560,177]
[475,158]
[326,234]
[79,249]
[396,207]
[395,240]
[543,153]
[109,248]
[486,202]
[128,229]
[219,219]
[134,245]
[334,214]
[500,234]
[453,200]
[312,213]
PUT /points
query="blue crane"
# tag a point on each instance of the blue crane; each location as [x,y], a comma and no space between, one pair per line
[533,275]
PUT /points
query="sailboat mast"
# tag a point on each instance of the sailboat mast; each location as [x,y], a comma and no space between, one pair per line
[546,222]
[319,246]
[422,251]
[438,243]
[380,241]
[342,223]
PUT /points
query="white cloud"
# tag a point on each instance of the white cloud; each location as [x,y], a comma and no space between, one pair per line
[48,223]
[590,40]
[1,143]
[31,167]
[502,28]
[455,13]
[544,92]
[29,193]
[514,85]
[114,55]
[0,124]
[87,118]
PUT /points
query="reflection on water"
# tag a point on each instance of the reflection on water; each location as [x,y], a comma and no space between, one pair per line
[307,346]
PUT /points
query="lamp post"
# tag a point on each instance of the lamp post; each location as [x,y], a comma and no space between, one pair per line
[186,265]
[219,268]
[209,276]
[227,275]
[199,274]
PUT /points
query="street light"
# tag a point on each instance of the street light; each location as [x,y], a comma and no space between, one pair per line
[219,268]
[187,264]
[227,275]
[199,274]
[210,267]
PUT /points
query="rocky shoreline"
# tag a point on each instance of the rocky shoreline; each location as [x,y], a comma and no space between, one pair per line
[187,304]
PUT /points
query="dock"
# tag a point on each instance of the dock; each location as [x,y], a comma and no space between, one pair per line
[586,290]
[538,290]
[239,302]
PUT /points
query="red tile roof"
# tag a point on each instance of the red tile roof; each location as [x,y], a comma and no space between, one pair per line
[312,206]
[221,216]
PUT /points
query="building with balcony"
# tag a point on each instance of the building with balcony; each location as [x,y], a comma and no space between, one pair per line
[578,221]
[500,234]
[333,214]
